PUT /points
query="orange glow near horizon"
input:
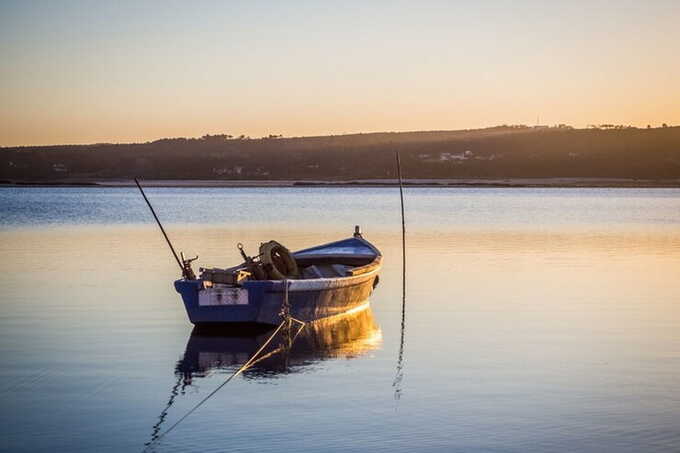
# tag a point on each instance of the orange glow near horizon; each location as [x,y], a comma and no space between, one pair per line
[77,74]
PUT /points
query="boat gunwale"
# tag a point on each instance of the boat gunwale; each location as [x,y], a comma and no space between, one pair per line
[316,284]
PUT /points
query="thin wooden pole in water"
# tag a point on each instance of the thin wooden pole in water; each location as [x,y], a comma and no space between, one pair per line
[399,376]
[179,263]
[403,225]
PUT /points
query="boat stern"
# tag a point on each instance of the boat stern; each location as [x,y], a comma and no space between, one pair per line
[216,304]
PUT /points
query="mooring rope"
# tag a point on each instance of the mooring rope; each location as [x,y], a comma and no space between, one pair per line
[250,362]
[287,322]
[281,348]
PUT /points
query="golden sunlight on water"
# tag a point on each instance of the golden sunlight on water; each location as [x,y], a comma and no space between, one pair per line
[579,326]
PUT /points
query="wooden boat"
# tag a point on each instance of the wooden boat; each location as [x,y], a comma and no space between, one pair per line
[309,284]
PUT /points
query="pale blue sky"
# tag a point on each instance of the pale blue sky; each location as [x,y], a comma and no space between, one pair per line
[88,71]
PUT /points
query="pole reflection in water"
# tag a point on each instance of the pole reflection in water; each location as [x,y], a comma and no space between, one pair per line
[399,375]
[348,335]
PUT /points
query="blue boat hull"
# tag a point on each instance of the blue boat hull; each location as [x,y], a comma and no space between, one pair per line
[260,301]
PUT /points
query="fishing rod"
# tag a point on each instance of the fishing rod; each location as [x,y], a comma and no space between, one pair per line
[184,265]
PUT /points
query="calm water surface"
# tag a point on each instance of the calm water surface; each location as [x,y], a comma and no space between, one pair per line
[536,320]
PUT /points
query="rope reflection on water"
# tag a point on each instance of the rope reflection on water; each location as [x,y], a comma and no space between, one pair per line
[348,335]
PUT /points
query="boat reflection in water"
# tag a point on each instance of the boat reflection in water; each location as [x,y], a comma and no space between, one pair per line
[347,335]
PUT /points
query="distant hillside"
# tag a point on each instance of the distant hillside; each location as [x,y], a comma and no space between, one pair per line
[499,152]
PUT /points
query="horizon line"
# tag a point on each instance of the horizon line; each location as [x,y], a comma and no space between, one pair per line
[243,137]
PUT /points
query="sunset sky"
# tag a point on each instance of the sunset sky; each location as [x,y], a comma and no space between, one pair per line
[88,72]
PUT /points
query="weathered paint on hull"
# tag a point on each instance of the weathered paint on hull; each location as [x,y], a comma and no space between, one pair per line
[309,299]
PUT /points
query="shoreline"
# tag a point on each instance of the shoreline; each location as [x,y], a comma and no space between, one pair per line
[442,183]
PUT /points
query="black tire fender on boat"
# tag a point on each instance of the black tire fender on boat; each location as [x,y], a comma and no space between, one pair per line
[278,261]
